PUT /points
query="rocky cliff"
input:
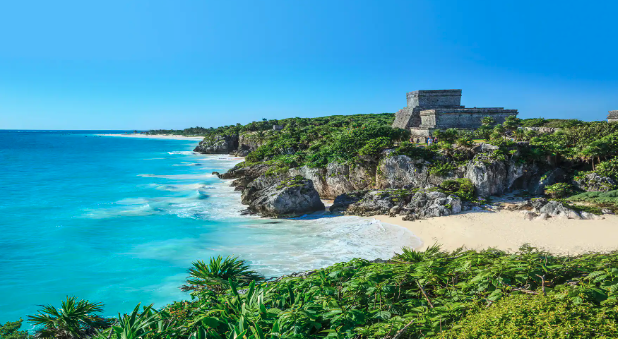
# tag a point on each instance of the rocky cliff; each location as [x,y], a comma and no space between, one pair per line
[365,186]
[218,144]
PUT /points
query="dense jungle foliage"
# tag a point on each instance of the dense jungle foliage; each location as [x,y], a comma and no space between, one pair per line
[579,147]
[430,294]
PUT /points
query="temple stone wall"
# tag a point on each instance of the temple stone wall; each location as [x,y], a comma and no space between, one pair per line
[467,118]
[429,110]
[613,116]
[431,99]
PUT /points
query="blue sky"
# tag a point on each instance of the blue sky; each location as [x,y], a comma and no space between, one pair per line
[175,64]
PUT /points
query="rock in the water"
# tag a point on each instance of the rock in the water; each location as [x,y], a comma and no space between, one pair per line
[290,197]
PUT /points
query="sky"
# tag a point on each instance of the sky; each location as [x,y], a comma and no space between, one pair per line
[148,64]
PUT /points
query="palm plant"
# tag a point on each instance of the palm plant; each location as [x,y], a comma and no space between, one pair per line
[216,274]
[74,319]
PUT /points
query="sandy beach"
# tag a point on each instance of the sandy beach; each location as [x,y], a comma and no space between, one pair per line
[154,136]
[507,230]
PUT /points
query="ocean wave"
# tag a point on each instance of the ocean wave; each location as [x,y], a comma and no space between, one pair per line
[188,164]
[178,176]
[180,188]
[181,152]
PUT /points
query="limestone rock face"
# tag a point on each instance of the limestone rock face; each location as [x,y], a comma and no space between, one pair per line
[316,175]
[422,204]
[549,178]
[288,198]
[247,143]
[218,144]
[593,182]
[401,172]
[488,178]
[344,201]
[431,204]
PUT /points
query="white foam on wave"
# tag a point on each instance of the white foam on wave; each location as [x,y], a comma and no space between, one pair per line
[181,152]
[178,176]
[181,187]
[135,210]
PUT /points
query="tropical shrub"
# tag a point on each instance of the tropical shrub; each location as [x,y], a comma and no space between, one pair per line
[463,188]
[218,272]
[608,168]
[534,122]
[413,151]
[375,146]
[558,190]
[536,316]
[442,169]
[74,319]
[10,330]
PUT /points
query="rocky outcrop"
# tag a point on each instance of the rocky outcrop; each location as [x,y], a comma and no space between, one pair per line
[337,179]
[431,204]
[489,177]
[218,144]
[542,209]
[272,197]
[549,178]
[592,182]
[412,205]
[249,142]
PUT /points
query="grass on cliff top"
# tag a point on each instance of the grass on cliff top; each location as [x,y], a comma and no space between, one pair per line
[430,294]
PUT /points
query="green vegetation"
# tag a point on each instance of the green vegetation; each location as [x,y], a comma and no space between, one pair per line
[74,319]
[559,190]
[605,199]
[430,294]
[608,169]
[525,316]
[215,275]
[463,188]
[10,330]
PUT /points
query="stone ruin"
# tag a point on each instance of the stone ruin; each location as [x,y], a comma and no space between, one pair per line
[430,110]
[613,116]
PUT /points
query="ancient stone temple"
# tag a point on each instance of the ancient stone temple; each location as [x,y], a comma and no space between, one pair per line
[613,116]
[428,111]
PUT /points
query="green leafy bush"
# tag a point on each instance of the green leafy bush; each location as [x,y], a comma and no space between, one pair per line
[441,169]
[413,151]
[375,146]
[559,190]
[608,168]
[534,122]
[524,316]
[10,330]
[463,188]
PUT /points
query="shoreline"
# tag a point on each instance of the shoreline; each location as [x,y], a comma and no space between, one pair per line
[153,136]
[508,230]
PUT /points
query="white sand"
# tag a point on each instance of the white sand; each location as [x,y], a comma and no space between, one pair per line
[154,136]
[507,230]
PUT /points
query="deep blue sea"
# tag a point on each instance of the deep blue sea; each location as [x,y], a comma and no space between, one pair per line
[119,221]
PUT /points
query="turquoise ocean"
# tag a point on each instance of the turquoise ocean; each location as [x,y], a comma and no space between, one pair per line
[119,220]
